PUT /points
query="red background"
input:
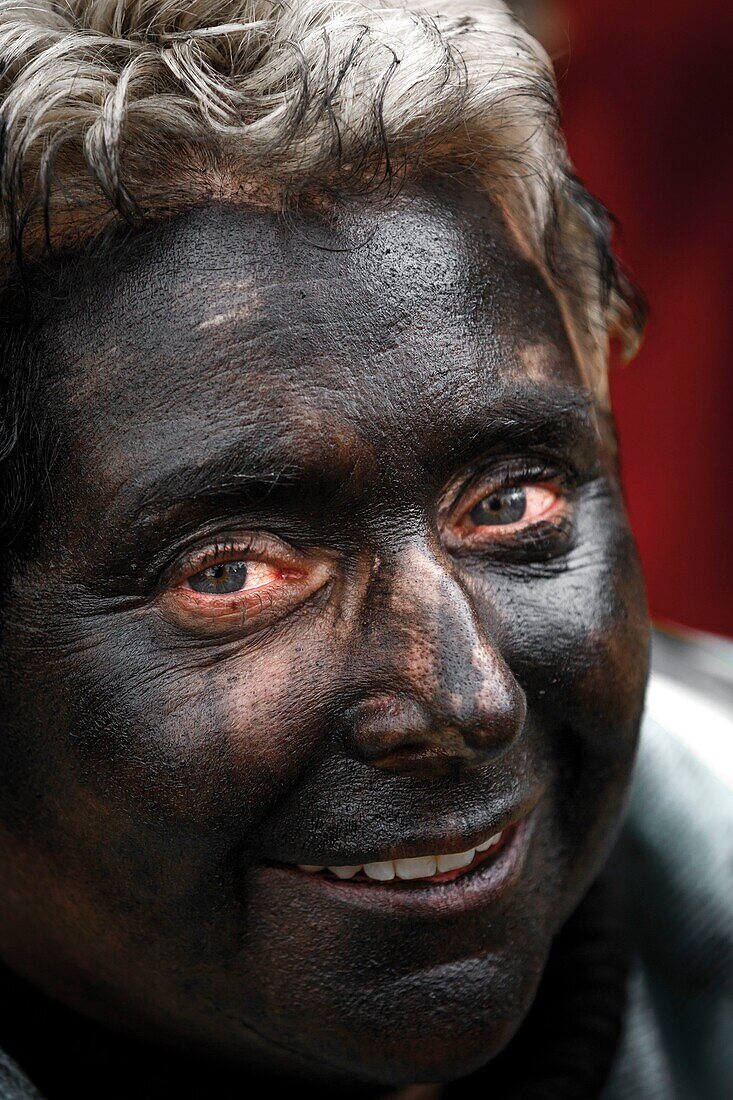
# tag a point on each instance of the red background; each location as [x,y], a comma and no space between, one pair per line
[647,89]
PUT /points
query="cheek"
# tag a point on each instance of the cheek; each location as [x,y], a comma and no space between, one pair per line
[153,771]
[578,637]
[577,642]
[209,742]
[189,747]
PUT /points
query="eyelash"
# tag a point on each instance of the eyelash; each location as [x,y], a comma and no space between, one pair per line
[216,554]
[521,471]
[517,474]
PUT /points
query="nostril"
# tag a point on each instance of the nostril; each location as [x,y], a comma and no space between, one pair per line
[421,759]
[399,733]
[387,726]
[498,719]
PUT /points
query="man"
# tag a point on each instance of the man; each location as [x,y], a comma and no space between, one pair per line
[324,637]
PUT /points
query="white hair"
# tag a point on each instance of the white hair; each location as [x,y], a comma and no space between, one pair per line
[138,107]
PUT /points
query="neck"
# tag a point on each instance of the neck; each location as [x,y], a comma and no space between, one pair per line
[417,1092]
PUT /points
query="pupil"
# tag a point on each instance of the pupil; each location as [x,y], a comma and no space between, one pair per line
[505,506]
[220,579]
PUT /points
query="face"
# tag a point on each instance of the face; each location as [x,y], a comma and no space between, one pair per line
[335,574]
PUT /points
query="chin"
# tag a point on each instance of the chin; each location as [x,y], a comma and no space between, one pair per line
[431,1027]
[437,1056]
[439,1059]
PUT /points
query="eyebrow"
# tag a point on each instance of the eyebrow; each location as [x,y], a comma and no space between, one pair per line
[242,469]
[252,470]
[562,418]
[250,473]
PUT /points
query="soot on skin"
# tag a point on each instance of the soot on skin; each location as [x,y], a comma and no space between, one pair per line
[330,383]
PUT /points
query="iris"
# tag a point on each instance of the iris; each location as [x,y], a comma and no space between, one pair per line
[217,580]
[503,506]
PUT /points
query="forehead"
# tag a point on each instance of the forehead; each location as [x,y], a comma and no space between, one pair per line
[378,325]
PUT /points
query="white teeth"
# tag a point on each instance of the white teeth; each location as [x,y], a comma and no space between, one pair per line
[489,843]
[345,872]
[455,860]
[419,867]
[382,872]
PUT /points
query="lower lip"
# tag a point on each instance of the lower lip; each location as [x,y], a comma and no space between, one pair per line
[491,876]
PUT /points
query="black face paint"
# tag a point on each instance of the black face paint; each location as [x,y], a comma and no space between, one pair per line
[325,403]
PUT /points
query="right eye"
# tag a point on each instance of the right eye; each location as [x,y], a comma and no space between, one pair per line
[220,580]
[242,584]
[507,510]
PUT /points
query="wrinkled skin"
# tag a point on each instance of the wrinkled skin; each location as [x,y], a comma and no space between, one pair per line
[336,385]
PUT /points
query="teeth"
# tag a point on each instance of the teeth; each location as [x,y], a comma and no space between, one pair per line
[345,872]
[420,867]
[406,869]
[382,872]
[489,843]
[455,860]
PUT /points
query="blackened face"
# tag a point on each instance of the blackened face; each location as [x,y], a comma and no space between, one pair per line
[336,573]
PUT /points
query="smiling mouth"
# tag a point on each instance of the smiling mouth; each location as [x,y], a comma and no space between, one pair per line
[417,870]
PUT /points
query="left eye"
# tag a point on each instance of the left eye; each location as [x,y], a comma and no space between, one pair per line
[221,579]
[512,506]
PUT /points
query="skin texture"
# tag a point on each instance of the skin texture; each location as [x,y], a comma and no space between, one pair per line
[338,386]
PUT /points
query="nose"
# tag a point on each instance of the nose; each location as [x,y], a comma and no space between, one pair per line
[442,693]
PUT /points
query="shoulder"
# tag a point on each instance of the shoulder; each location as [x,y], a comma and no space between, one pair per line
[14,1085]
[678,844]
[680,822]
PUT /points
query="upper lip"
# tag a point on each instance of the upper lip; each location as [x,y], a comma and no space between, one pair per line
[434,844]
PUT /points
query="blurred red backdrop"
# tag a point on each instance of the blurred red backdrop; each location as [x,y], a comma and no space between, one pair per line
[646,90]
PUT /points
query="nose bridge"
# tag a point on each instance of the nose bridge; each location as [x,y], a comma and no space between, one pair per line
[451,694]
[450,662]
